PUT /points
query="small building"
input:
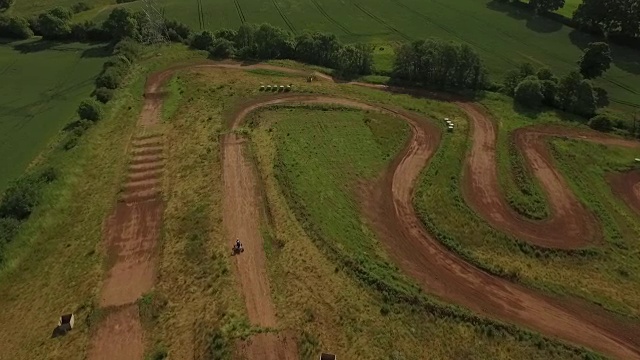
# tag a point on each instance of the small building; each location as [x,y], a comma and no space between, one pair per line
[326,356]
[450,128]
[65,324]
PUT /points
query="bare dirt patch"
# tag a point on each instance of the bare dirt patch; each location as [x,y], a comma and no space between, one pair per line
[627,187]
[119,336]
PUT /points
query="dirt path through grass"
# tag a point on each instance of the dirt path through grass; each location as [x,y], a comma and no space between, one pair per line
[392,215]
[131,234]
[570,225]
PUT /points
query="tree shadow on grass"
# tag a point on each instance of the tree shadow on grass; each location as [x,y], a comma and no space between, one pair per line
[35,46]
[97,51]
[541,24]
[510,10]
[44,45]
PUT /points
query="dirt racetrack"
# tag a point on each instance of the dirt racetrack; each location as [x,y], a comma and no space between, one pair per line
[390,211]
[627,186]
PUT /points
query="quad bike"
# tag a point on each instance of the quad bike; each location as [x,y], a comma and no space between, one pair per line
[237,249]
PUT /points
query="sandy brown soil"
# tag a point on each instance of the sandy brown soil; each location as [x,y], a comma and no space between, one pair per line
[131,234]
[119,336]
[627,186]
[389,209]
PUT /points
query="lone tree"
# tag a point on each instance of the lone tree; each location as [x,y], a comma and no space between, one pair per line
[595,60]
[542,6]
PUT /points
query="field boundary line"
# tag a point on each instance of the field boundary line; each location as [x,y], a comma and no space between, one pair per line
[284,17]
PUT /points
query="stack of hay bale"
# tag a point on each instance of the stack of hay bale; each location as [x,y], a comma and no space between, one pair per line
[449,124]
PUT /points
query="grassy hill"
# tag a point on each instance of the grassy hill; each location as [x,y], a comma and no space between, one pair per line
[41,85]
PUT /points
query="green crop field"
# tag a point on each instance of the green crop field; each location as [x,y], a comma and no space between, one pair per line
[41,85]
[504,35]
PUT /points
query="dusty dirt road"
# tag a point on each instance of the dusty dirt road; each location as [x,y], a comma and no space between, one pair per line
[389,209]
[131,235]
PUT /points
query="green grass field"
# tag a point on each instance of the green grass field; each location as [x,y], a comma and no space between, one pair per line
[41,85]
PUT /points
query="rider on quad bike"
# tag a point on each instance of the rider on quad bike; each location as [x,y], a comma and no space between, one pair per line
[237,248]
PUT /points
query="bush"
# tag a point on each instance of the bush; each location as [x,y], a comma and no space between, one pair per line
[103,95]
[15,27]
[81,31]
[177,31]
[129,49]
[80,7]
[119,62]
[221,48]
[529,93]
[5,4]
[202,41]
[8,230]
[90,109]
[110,78]
[20,199]
[601,123]
[55,24]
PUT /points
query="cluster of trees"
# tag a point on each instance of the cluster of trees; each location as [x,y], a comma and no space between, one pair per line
[573,93]
[439,64]
[610,17]
[265,41]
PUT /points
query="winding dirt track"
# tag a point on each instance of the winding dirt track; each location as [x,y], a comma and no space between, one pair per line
[389,208]
[570,225]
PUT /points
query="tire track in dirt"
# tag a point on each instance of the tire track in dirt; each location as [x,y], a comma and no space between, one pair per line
[389,208]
